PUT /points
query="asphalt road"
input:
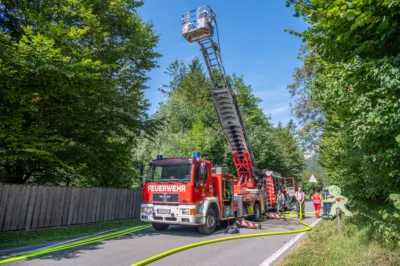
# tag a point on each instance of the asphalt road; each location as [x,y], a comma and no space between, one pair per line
[133,248]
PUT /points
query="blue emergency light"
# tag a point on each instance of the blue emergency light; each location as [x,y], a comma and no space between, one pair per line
[196,154]
[159,157]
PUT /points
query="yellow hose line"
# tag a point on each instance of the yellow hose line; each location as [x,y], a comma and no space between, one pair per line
[202,243]
[306,213]
[76,244]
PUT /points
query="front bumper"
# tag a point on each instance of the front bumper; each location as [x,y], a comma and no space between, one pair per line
[176,214]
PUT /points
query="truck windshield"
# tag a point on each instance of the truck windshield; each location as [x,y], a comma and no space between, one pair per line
[170,173]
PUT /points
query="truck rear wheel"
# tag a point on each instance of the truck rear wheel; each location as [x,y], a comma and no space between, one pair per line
[160,227]
[257,213]
[211,222]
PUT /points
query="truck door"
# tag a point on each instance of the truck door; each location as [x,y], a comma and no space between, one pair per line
[202,182]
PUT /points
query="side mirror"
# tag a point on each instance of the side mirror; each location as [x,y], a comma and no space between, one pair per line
[203,168]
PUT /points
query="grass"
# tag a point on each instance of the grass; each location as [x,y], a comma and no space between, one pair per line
[11,239]
[357,244]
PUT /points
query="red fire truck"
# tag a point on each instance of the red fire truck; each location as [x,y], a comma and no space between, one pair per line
[188,191]
[276,182]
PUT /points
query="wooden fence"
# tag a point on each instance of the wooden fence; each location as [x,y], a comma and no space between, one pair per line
[29,207]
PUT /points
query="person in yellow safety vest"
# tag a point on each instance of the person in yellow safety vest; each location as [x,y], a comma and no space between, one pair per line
[316,198]
[299,195]
[327,204]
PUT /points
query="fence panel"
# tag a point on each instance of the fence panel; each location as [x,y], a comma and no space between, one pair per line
[30,207]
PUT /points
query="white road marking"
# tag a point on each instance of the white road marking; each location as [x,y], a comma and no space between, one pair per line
[280,251]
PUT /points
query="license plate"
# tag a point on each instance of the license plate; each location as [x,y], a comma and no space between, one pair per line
[163,211]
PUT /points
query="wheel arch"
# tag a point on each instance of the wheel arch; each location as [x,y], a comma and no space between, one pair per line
[210,202]
[215,207]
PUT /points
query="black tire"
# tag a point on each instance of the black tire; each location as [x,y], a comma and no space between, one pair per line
[257,213]
[160,227]
[211,223]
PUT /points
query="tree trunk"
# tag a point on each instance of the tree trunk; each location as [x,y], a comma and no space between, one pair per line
[339,218]
[16,172]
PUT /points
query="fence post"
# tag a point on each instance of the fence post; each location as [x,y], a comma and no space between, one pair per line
[339,218]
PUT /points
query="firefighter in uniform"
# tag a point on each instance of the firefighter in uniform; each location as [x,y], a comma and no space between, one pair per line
[316,198]
[327,204]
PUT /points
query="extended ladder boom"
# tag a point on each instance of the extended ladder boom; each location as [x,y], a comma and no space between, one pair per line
[198,26]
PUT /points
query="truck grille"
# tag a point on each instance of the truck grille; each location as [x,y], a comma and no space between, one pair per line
[166,198]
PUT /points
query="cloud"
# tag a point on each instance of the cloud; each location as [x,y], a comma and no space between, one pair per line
[267,94]
[278,111]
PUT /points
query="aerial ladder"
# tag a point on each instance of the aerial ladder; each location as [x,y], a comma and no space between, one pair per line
[187,190]
[200,25]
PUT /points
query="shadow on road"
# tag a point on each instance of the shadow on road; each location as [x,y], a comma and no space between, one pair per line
[189,231]
[71,253]
[269,225]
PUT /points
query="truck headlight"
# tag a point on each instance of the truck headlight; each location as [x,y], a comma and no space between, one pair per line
[188,211]
[146,210]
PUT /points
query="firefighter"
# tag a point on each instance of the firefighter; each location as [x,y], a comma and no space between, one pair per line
[316,198]
[326,203]
[203,14]
[202,21]
[299,195]
[281,200]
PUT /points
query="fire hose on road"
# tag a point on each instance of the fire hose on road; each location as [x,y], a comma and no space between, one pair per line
[202,243]
[161,255]
[76,244]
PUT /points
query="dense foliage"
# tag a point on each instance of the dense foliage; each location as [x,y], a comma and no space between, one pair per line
[349,95]
[313,167]
[192,125]
[73,74]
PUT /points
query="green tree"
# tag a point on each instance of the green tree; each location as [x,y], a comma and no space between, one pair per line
[291,159]
[352,75]
[71,99]
[351,79]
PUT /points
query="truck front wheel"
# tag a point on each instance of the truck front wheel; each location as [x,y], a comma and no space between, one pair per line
[257,213]
[160,227]
[211,222]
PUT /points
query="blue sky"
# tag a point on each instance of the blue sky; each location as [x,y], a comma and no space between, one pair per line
[253,44]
